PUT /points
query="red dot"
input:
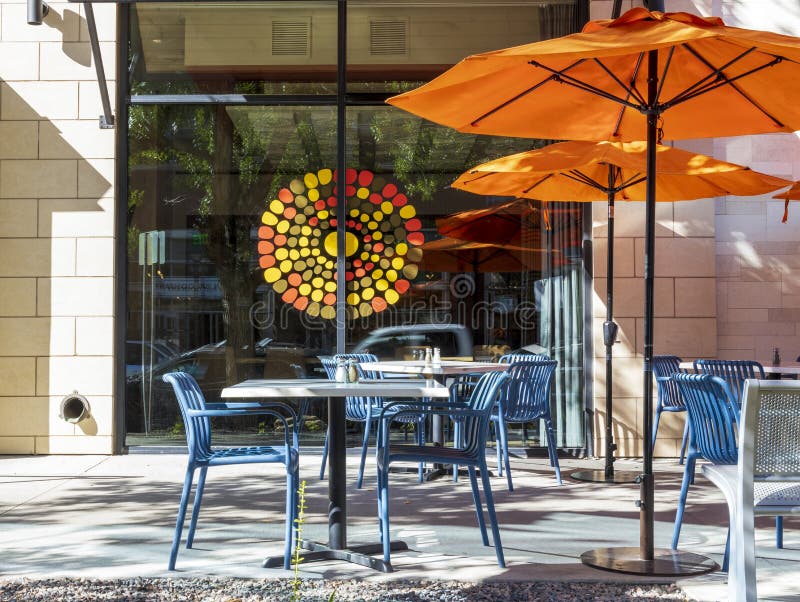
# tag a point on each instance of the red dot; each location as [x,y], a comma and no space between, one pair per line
[401,286]
[357,263]
[348,276]
[378,247]
[266,232]
[415,238]
[367,238]
[369,265]
[389,191]
[375,198]
[332,201]
[313,221]
[333,222]
[266,261]
[350,175]
[351,223]
[319,205]
[289,212]
[286,195]
[399,200]
[413,225]
[365,178]
[295,279]
[358,227]
[265,248]
[350,190]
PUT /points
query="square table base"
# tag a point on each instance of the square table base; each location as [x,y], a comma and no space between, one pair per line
[357,555]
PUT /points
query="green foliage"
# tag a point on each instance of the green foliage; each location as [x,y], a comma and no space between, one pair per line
[298,530]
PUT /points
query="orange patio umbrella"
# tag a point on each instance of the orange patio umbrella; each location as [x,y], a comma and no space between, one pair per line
[644,76]
[453,255]
[793,194]
[594,171]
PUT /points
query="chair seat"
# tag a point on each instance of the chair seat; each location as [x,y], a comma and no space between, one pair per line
[247,455]
[769,498]
[429,453]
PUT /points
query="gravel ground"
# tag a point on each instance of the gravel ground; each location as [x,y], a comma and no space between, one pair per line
[281,590]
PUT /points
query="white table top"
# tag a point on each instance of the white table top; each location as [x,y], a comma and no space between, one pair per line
[790,368]
[419,367]
[259,388]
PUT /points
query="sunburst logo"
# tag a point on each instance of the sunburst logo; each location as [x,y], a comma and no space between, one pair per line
[298,245]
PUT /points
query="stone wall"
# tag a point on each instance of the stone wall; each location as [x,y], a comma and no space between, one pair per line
[56,231]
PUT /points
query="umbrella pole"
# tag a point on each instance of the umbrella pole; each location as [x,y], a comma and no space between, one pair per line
[645,560]
[610,329]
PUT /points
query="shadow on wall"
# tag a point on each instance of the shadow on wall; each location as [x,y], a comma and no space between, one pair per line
[56,238]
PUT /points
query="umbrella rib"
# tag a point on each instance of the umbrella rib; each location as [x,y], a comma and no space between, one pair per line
[582,178]
[535,184]
[667,64]
[633,84]
[630,88]
[554,77]
[720,79]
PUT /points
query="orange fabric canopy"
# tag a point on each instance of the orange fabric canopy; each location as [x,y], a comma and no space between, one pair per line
[714,80]
[579,171]
[793,194]
[454,255]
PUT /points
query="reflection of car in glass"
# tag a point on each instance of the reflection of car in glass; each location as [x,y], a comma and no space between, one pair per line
[399,342]
[208,366]
[154,352]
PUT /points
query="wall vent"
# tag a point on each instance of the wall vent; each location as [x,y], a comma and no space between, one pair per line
[388,36]
[291,38]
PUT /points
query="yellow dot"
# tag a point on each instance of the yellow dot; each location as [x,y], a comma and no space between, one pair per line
[281,254]
[367,294]
[354,212]
[276,207]
[300,218]
[377,235]
[375,257]
[353,299]
[313,195]
[364,218]
[300,201]
[398,263]
[362,193]
[282,227]
[391,275]
[391,296]
[294,230]
[315,252]
[317,282]
[296,186]
[310,180]
[330,286]
[330,264]
[328,312]
[305,231]
[317,295]
[407,211]
[372,225]
[325,176]
[377,216]
[299,266]
[401,248]
[302,241]
[365,309]
[313,309]
[410,271]
[294,254]
[269,218]
[280,286]
[272,274]
[381,284]
[305,252]
[364,256]
[350,244]
[323,214]
[386,207]
[286,266]
[377,273]
[304,289]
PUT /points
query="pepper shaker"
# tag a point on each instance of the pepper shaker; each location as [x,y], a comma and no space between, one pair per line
[776,356]
[352,372]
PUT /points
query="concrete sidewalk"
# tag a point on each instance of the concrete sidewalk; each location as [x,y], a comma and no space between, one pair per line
[113,517]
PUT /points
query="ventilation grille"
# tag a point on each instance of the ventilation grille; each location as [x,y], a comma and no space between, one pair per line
[388,37]
[291,38]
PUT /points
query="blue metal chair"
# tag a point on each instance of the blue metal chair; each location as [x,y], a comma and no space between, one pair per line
[669,396]
[525,397]
[475,414]
[196,414]
[365,410]
[714,417]
[461,388]
[734,372]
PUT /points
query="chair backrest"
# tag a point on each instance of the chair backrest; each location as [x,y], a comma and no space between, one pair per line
[482,400]
[664,366]
[198,429]
[526,395]
[510,358]
[355,407]
[713,416]
[734,372]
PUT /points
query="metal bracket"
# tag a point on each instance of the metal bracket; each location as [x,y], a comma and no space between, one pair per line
[107,118]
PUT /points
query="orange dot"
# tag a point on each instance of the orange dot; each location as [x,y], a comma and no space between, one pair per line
[266,232]
[360,273]
[378,247]
[289,296]
[289,212]
[295,279]
[401,286]
[329,299]
[265,248]
[267,261]
[378,303]
[286,195]
[415,238]
[280,240]
[301,303]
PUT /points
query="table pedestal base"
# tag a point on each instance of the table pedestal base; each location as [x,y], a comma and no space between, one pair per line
[357,555]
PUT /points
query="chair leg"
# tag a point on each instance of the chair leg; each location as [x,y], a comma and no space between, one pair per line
[487,491]
[742,570]
[291,494]
[364,447]
[655,428]
[176,539]
[476,497]
[727,557]
[499,427]
[421,434]
[688,472]
[779,532]
[551,448]
[685,440]
[383,512]
[324,455]
[198,499]
[506,462]
[457,443]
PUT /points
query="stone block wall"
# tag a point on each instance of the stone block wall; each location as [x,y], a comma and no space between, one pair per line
[56,231]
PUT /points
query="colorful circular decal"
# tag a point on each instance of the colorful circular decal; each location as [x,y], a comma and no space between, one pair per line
[298,243]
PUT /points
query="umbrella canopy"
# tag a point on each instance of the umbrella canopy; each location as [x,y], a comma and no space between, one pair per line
[793,194]
[714,80]
[453,255]
[579,171]
[644,76]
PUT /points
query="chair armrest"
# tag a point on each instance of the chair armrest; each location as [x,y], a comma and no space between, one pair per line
[224,410]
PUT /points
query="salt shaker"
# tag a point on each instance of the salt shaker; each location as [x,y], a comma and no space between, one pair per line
[428,357]
[437,357]
[776,356]
[341,371]
[352,372]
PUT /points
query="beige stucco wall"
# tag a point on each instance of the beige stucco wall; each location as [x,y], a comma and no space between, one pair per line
[56,231]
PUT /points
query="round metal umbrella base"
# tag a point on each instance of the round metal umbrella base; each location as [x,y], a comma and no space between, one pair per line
[665,563]
[599,476]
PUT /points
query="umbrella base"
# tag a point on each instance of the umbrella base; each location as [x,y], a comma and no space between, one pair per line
[665,563]
[599,476]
